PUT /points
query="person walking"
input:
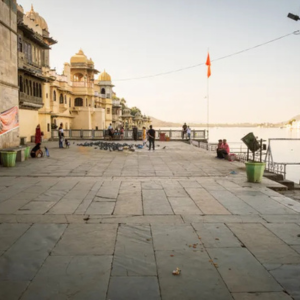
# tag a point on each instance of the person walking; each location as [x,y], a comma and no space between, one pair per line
[134,132]
[61,136]
[151,136]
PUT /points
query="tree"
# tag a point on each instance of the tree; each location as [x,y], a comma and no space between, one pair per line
[134,110]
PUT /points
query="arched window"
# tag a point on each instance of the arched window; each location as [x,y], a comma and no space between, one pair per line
[69,102]
[61,99]
[40,91]
[65,99]
[30,87]
[78,102]
[54,95]
[103,91]
[78,77]
[34,92]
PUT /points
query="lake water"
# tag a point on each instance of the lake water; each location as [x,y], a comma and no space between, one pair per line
[283,151]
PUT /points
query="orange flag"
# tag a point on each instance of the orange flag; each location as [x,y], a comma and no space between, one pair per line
[208,65]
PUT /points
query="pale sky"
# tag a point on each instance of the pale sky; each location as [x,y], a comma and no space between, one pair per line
[135,38]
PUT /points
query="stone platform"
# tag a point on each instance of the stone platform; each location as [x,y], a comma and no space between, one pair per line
[91,224]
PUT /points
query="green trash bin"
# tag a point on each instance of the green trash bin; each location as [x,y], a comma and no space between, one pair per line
[255,171]
[8,158]
[27,152]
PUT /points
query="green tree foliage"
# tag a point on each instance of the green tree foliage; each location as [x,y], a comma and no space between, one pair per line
[134,110]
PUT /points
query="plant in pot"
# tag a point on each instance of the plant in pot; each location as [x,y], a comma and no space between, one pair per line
[254,169]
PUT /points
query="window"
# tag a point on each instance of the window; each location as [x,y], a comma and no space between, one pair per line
[103,91]
[78,102]
[21,83]
[61,99]
[108,111]
[108,96]
[69,102]
[20,45]
[48,127]
[30,88]
[40,91]
[65,99]
[86,102]
[54,95]
[47,95]
[34,90]
[27,87]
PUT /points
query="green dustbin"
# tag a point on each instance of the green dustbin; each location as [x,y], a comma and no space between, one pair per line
[27,152]
[8,158]
[255,171]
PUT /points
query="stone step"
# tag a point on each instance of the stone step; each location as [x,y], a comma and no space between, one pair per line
[288,183]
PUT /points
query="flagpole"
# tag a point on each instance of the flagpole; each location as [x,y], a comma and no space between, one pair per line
[207,96]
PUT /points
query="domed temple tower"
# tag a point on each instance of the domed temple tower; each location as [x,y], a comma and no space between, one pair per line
[105,93]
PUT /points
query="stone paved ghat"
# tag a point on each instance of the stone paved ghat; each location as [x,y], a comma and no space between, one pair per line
[88,224]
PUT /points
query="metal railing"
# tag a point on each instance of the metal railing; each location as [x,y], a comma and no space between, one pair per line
[102,134]
[240,150]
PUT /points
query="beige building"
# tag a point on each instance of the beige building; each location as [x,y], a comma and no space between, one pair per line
[8,69]
[34,43]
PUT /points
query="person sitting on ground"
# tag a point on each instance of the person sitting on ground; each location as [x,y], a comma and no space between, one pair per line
[122,133]
[36,151]
[225,149]
[219,149]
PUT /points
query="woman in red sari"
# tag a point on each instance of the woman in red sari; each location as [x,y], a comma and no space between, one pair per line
[38,135]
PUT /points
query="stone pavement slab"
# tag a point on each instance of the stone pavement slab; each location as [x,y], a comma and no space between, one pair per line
[134,288]
[199,279]
[289,233]
[87,239]
[175,237]
[12,290]
[216,235]
[261,296]
[134,254]
[259,240]
[241,271]
[25,257]
[155,202]
[9,234]
[289,277]
[71,277]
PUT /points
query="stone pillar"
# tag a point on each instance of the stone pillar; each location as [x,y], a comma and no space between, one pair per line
[9,96]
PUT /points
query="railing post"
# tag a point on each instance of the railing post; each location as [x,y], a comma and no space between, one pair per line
[170,134]
[93,133]
[70,133]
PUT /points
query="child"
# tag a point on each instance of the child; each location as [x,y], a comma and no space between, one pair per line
[67,143]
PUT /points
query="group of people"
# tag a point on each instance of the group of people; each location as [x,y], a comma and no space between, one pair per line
[223,149]
[146,134]
[117,131]
[186,131]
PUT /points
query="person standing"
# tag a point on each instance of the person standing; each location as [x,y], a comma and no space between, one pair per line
[134,132]
[110,131]
[144,136]
[184,128]
[188,133]
[61,136]
[38,135]
[151,136]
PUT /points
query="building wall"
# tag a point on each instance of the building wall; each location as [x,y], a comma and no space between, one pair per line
[8,67]
[27,128]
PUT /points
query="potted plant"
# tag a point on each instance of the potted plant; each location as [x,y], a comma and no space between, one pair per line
[254,169]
